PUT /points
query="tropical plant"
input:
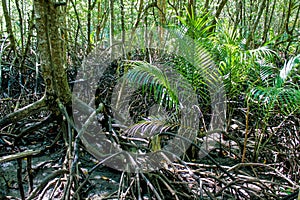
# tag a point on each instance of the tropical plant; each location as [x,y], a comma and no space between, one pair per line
[279,90]
[153,79]
[236,62]
[200,78]
[276,92]
[197,27]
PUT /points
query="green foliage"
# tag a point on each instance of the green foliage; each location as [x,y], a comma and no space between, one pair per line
[152,78]
[197,27]
[193,75]
[237,63]
[278,89]
[274,92]
[201,78]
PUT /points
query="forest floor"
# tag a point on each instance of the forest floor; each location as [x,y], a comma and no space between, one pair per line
[102,182]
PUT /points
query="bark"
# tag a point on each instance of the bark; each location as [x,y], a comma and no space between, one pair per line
[288,17]
[142,12]
[28,39]
[259,14]
[89,24]
[238,14]
[98,28]
[122,20]
[21,23]
[19,155]
[291,31]
[16,116]
[139,16]
[295,20]
[51,53]
[206,5]
[268,24]
[174,6]
[111,22]
[161,5]
[220,8]
[9,26]
[218,13]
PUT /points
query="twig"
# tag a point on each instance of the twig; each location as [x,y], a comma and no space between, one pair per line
[91,170]
[262,165]
[246,132]
[203,151]
[151,187]
[43,192]
[121,185]
[173,193]
[20,155]
[292,196]
[20,181]
[29,173]
[45,182]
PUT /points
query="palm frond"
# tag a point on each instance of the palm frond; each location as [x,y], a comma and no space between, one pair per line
[288,66]
[261,52]
[154,79]
[198,27]
[264,95]
[276,90]
[206,68]
[153,125]
[289,99]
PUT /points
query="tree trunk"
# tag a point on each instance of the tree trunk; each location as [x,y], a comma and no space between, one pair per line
[89,16]
[206,5]
[259,14]
[218,13]
[98,28]
[238,14]
[161,4]
[111,23]
[52,62]
[51,53]
[192,8]
[220,8]
[139,15]
[89,25]
[122,20]
[9,26]
[268,24]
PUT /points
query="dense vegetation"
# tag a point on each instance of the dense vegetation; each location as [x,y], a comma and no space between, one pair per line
[238,57]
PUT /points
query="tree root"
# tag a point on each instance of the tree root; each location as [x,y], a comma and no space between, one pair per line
[23,112]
